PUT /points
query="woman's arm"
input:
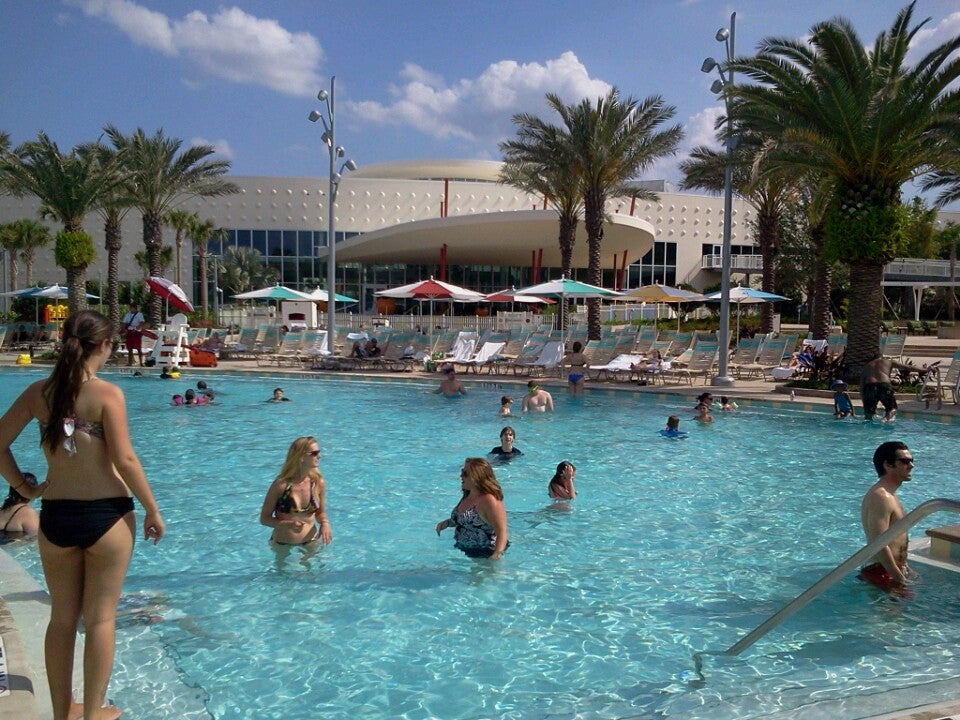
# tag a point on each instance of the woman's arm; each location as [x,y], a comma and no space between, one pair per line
[326,536]
[443,525]
[267,516]
[494,513]
[11,425]
[117,435]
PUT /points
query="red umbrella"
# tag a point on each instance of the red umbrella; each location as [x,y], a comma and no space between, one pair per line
[171,292]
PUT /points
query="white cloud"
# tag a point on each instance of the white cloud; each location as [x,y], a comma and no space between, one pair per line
[700,129]
[143,26]
[478,109]
[221,147]
[230,44]
[931,36]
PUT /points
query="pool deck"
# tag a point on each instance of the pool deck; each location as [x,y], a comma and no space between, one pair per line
[24,606]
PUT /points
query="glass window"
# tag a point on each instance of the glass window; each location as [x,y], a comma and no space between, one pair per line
[305,243]
[289,243]
[243,238]
[274,243]
[259,241]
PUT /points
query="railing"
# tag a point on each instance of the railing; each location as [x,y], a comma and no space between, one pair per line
[737,262]
[917,267]
[838,573]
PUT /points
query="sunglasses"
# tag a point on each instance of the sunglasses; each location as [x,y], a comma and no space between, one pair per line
[904,461]
[313,453]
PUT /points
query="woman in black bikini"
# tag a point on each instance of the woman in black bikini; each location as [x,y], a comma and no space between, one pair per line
[17,518]
[297,498]
[86,516]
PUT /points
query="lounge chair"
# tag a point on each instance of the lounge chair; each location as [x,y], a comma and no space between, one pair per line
[484,357]
[549,357]
[940,383]
[770,356]
[463,348]
[702,361]
[616,368]
[746,353]
[891,346]
[287,349]
[646,336]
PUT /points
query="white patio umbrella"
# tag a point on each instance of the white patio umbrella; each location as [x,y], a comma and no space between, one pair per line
[51,292]
[748,296]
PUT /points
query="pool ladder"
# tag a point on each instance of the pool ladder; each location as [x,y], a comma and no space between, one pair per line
[834,576]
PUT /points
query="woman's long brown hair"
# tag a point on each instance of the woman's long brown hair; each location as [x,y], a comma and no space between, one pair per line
[83,333]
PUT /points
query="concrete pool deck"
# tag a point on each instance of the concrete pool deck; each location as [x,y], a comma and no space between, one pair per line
[24,606]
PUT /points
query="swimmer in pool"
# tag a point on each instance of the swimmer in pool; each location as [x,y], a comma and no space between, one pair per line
[672,430]
[506,406]
[505,450]
[537,399]
[561,484]
[295,504]
[880,509]
[450,385]
[480,518]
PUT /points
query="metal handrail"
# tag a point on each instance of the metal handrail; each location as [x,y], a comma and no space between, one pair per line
[831,578]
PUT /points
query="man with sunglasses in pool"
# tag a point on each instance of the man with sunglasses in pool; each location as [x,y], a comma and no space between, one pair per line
[880,509]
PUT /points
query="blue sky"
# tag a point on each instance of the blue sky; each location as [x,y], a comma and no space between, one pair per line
[415,79]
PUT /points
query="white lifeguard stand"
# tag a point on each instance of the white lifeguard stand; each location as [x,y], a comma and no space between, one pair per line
[172,347]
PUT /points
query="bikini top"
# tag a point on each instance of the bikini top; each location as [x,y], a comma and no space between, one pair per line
[285,502]
[72,424]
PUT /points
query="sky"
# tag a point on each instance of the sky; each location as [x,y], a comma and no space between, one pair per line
[415,79]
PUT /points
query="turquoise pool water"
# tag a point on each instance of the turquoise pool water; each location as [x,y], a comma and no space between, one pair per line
[672,548]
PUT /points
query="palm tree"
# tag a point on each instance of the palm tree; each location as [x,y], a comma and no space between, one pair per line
[201,233]
[244,269]
[767,194]
[180,221]
[165,260]
[866,123]
[612,143]
[538,161]
[69,186]
[112,208]
[22,239]
[161,176]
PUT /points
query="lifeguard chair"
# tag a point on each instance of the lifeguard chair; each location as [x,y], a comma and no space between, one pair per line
[172,347]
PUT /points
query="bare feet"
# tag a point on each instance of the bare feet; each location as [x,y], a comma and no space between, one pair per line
[105,713]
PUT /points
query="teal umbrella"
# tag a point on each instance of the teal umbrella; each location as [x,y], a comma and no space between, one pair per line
[565,288]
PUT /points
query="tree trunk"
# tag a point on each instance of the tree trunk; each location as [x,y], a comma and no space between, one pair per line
[593,222]
[14,269]
[568,236]
[768,237]
[28,257]
[179,246]
[153,244]
[820,310]
[112,245]
[866,296]
[77,288]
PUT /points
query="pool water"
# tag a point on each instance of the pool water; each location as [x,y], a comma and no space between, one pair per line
[673,547]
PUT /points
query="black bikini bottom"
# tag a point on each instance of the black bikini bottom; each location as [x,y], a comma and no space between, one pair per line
[80,523]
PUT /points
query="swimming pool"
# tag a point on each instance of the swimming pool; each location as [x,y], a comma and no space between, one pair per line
[672,548]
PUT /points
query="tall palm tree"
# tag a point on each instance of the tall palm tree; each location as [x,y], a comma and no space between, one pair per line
[161,176]
[180,221]
[612,143]
[201,232]
[22,239]
[69,186]
[767,194]
[864,121]
[538,161]
[112,208]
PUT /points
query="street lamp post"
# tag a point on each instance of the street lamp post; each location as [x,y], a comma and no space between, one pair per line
[726,78]
[336,152]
